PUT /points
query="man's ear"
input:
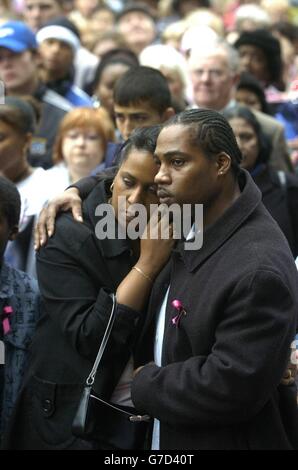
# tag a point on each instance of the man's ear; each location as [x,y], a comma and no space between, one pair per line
[167,114]
[223,163]
[13,232]
[28,142]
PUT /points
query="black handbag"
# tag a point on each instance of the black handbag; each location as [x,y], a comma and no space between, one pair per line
[119,427]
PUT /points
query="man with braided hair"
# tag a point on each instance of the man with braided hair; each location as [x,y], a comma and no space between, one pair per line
[222,318]
[216,339]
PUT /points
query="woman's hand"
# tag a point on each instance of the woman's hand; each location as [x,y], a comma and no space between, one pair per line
[69,200]
[156,245]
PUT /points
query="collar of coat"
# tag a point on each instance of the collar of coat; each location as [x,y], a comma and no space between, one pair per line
[231,220]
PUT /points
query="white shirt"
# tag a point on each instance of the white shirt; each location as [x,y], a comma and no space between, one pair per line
[159,334]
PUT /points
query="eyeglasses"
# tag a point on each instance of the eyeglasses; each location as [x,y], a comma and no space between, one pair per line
[214,74]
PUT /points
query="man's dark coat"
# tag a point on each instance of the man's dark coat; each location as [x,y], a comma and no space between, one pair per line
[218,387]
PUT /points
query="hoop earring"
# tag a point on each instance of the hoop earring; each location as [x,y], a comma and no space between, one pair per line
[112,187]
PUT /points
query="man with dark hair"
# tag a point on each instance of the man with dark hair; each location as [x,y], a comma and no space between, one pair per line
[142,98]
[19,307]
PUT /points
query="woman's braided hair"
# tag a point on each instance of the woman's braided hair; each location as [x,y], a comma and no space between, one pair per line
[211,132]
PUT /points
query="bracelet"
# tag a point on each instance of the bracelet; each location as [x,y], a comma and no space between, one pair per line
[143,274]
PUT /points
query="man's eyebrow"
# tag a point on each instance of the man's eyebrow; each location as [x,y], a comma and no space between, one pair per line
[173,153]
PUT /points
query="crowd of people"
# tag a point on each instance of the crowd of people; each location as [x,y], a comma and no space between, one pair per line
[185,103]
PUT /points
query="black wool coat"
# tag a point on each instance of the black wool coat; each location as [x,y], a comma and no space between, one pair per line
[76,272]
[219,384]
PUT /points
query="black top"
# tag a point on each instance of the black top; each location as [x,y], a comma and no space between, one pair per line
[281,200]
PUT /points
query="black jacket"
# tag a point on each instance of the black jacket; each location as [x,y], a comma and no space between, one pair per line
[75,271]
[218,387]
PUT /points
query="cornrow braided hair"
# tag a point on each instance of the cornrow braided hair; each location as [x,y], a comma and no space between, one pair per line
[211,133]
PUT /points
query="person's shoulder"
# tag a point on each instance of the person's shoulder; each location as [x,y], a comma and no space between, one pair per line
[70,234]
[268,122]
[79,97]
[258,240]
[73,232]
[98,193]
[70,240]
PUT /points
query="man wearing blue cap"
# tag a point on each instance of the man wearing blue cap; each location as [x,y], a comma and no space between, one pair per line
[19,62]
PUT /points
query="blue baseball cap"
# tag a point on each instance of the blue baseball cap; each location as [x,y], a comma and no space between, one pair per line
[17,37]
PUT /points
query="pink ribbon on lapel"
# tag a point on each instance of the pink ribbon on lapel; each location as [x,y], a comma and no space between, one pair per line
[7,311]
[181,311]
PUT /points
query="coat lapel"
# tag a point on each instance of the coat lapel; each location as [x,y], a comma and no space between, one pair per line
[218,233]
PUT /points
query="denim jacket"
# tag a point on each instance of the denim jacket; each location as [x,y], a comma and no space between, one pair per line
[19,291]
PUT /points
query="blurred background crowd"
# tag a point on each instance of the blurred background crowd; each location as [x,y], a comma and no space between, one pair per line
[77,78]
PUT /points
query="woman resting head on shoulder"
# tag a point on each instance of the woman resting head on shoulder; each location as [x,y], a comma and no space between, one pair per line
[81,142]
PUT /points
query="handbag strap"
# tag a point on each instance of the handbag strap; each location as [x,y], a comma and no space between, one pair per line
[91,377]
